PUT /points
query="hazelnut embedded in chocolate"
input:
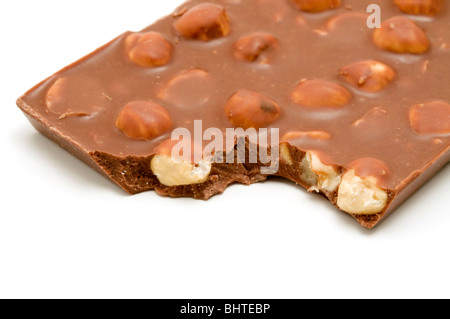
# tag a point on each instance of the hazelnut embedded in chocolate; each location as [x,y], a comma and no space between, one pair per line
[318,173]
[206,21]
[369,76]
[430,118]
[148,49]
[401,35]
[362,191]
[249,109]
[316,5]
[320,93]
[144,120]
[426,7]
[180,168]
[256,47]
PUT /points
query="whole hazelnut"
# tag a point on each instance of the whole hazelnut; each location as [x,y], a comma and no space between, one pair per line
[144,120]
[250,109]
[148,49]
[369,76]
[401,35]
[206,21]
[320,93]
[256,47]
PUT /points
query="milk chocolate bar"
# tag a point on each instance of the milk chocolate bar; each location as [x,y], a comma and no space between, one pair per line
[358,94]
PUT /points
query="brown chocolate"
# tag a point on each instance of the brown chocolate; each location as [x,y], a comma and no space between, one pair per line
[360,111]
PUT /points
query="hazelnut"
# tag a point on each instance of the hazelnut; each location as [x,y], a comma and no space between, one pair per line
[256,47]
[249,109]
[285,153]
[189,89]
[360,196]
[148,49]
[316,5]
[144,120]
[315,172]
[320,93]
[427,7]
[204,22]
[430,118]
[77,95]
[369,76]
[401,35]
[176,169]
[171,172]
[362,191]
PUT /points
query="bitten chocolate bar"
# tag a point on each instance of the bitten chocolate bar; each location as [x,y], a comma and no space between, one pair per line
[362,113]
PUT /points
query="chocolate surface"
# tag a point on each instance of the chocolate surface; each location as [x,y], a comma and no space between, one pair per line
[322,72]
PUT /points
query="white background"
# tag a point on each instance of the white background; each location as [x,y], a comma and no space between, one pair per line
[67,232]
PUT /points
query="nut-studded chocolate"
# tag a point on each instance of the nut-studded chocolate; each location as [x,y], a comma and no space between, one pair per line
[366,127]
[369,76]
[320,93]
[249,109]
[256,47]
[144,120]
[148,49]
[401,35]
[204,22]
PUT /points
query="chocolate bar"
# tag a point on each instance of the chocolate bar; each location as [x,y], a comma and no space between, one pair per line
[344,98]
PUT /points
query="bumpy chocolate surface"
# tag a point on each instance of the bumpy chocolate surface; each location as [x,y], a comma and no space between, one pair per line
[379,94]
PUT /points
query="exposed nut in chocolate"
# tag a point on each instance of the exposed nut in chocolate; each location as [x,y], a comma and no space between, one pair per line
[321,176]
[285,153]
[361,191]
[206,21]
[369,76]
[248,109]
[144,120]
[256,47]
[430,118]
[148,49]
[360,196]
[63,97]
[401,35]
[177,169]
[316,5]
[173,172]
[320,93]
[189,89]
[427,7]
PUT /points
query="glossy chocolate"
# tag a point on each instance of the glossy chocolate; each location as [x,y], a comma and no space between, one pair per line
[336,86]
